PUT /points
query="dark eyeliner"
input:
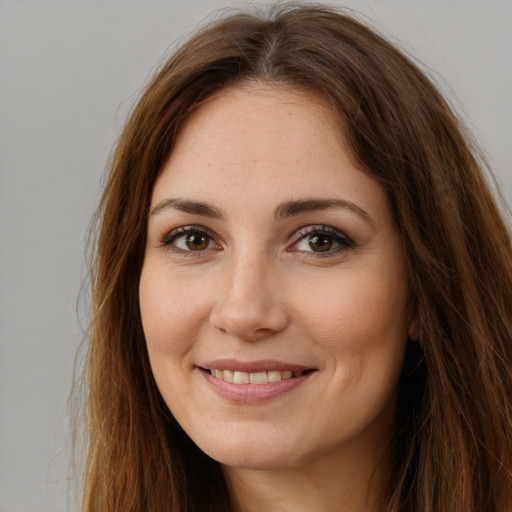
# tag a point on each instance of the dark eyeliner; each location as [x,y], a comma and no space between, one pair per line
[168,239]
[321,229]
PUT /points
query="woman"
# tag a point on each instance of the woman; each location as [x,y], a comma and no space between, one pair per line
[302,286]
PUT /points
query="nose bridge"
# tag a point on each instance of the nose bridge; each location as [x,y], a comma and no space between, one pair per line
[249,273]
[248,306]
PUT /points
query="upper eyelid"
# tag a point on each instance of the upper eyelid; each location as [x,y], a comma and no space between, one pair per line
[179,231]
[318,228]
[343,240]
[297,235]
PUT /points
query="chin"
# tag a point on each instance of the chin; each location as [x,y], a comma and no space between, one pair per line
[261,451]
[254,459]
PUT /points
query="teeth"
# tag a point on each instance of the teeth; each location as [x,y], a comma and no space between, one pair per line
[258,378]
[241,377]
[274,376]
[254,378]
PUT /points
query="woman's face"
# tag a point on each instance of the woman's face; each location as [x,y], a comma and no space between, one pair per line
[273,292]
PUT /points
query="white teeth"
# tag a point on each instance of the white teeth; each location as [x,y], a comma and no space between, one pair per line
[255,377]
[274,376]
[241,378]
[258,378]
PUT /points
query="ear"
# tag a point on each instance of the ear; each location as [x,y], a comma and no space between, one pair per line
[413,331]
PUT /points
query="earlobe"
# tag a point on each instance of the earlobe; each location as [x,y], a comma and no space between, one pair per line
[413,330]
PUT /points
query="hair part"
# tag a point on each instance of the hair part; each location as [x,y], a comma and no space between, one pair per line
[452,447]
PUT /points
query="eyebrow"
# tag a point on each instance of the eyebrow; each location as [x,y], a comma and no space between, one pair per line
[187,206]
[296,207]
[283,211]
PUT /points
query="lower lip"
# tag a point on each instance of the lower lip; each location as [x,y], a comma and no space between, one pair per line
[254,393]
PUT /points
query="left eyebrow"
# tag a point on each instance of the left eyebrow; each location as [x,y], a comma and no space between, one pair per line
[296,207]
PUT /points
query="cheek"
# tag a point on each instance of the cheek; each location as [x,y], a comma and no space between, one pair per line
[360,324]
[354,313]
[170,312]
[361,328]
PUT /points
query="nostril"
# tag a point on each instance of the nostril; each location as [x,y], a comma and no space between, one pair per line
[251,322]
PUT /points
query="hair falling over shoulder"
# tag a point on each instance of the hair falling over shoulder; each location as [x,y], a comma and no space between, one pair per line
[452,448]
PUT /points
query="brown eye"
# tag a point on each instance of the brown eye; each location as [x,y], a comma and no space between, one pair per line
[321,240]
[190,239]
[197,241]
[320,243]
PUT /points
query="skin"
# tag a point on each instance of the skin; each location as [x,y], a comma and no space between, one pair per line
[260,290]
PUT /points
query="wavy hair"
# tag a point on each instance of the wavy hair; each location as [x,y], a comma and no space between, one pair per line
[452,448]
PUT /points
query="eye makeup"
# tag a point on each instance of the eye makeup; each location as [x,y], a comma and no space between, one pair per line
[320,239]
[316,240]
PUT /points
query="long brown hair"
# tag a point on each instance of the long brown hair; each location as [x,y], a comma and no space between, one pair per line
[452,449]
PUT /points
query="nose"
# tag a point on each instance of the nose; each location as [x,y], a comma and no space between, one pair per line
[249,305]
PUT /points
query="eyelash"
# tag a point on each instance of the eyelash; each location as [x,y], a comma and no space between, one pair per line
[169,240]
[328,232]
[343,241]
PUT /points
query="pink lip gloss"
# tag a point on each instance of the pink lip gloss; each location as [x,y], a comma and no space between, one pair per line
[253,393]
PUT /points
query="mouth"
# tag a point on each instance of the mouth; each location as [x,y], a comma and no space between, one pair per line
[254,382]
[259,377]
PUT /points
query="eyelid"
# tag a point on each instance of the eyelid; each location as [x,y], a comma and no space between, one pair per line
[168,239]
[337,235]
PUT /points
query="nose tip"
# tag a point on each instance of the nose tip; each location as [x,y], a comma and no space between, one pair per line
[249,324]
[249,308]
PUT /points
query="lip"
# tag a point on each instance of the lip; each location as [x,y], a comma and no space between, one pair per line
[253,393]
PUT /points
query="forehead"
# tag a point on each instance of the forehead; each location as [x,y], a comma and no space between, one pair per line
[267,144]
[259,121]
[245,104]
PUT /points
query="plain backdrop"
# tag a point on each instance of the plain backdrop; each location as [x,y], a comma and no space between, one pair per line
[69,73]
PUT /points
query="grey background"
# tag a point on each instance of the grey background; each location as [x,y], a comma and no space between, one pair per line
[69,73]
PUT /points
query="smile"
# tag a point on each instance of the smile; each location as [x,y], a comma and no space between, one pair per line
[260,377]
[254,382]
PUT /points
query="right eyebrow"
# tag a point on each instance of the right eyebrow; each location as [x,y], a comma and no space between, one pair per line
[187,206]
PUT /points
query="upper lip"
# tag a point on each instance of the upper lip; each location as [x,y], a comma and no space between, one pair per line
[260,365]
